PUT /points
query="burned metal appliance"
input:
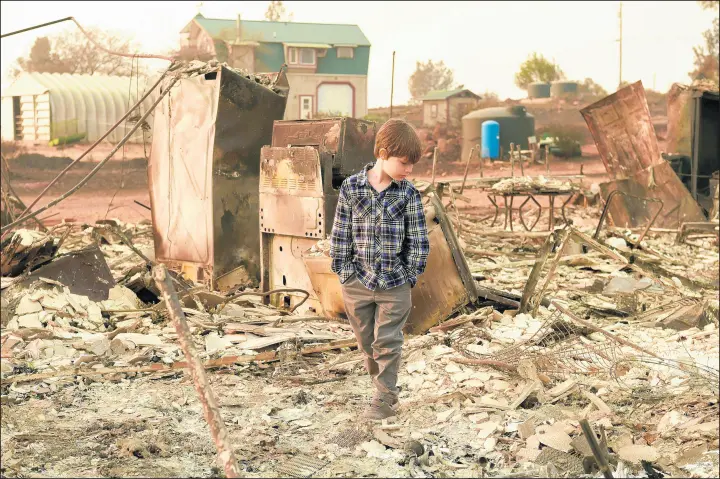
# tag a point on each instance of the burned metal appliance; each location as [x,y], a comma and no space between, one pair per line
[204,173]
[693,139]
[300,176]
[299,180]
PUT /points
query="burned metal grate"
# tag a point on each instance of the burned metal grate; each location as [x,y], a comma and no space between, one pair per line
[350,437]
[556,349]
[301,466]
[559,349]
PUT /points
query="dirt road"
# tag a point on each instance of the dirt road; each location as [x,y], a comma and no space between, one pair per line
[113,191]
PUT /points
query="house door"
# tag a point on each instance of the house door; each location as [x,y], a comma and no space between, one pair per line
[306,107]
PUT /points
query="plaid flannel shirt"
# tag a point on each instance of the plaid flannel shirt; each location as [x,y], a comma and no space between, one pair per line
[381,237]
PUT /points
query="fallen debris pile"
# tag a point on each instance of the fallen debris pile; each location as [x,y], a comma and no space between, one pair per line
[527,183]
[93,384]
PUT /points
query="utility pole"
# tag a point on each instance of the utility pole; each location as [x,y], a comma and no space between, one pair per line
[620,42]
[392,84]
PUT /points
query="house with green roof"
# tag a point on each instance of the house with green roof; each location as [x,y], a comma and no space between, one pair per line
[447,106]
[327,63]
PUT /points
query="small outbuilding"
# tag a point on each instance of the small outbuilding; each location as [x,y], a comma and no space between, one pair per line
[448,106]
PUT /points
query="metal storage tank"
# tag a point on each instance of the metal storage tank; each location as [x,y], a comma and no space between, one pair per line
[490,141]
[563,88]
[539,90]
[516,125]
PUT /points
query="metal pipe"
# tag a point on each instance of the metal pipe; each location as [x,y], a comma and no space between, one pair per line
[606,209]
[435,153]
[595,447]
[36,26]
[144,206]
[467,169]
[520,159]
[512,160]
[392,85]
[197,370]
[695,157]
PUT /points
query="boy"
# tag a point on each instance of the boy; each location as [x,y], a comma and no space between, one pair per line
[379,245]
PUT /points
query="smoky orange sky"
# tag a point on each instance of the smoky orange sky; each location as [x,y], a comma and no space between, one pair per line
[483,42]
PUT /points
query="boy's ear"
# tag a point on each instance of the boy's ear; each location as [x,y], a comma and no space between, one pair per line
[383,154]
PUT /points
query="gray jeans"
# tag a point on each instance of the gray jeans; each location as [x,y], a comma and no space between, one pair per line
[377,318]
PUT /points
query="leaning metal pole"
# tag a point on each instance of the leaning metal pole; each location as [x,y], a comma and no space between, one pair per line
[202,386]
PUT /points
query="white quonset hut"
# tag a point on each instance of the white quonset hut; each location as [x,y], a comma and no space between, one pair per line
[40,107]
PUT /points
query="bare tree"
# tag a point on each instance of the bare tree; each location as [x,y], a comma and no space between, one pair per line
[276,12]
[74,48]
[72,52]
[429,76]
[191,52]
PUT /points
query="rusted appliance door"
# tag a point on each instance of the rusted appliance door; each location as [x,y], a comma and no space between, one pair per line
[180,172]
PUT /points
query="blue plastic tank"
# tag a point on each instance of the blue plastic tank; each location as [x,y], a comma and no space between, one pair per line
[490,139]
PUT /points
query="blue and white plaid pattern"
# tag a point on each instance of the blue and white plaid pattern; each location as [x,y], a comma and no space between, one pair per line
[382,237]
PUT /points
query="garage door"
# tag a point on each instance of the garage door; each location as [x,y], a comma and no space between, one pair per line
[335,98]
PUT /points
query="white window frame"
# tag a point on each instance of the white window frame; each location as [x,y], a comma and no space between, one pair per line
[314,57]
[292,55]
[433,110]
[349,50]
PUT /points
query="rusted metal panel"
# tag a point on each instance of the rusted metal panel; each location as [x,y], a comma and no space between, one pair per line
[291,196]
[349,141]
[623,131]
[84,272]
[439,292]
[345,145]
[204,171]
[246,112]
[659,182]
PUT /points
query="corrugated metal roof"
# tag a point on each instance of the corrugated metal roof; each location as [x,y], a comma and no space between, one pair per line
[283,32]
[445,94]
[95,101]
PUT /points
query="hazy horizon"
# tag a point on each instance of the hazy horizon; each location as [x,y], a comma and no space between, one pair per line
[484,43]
